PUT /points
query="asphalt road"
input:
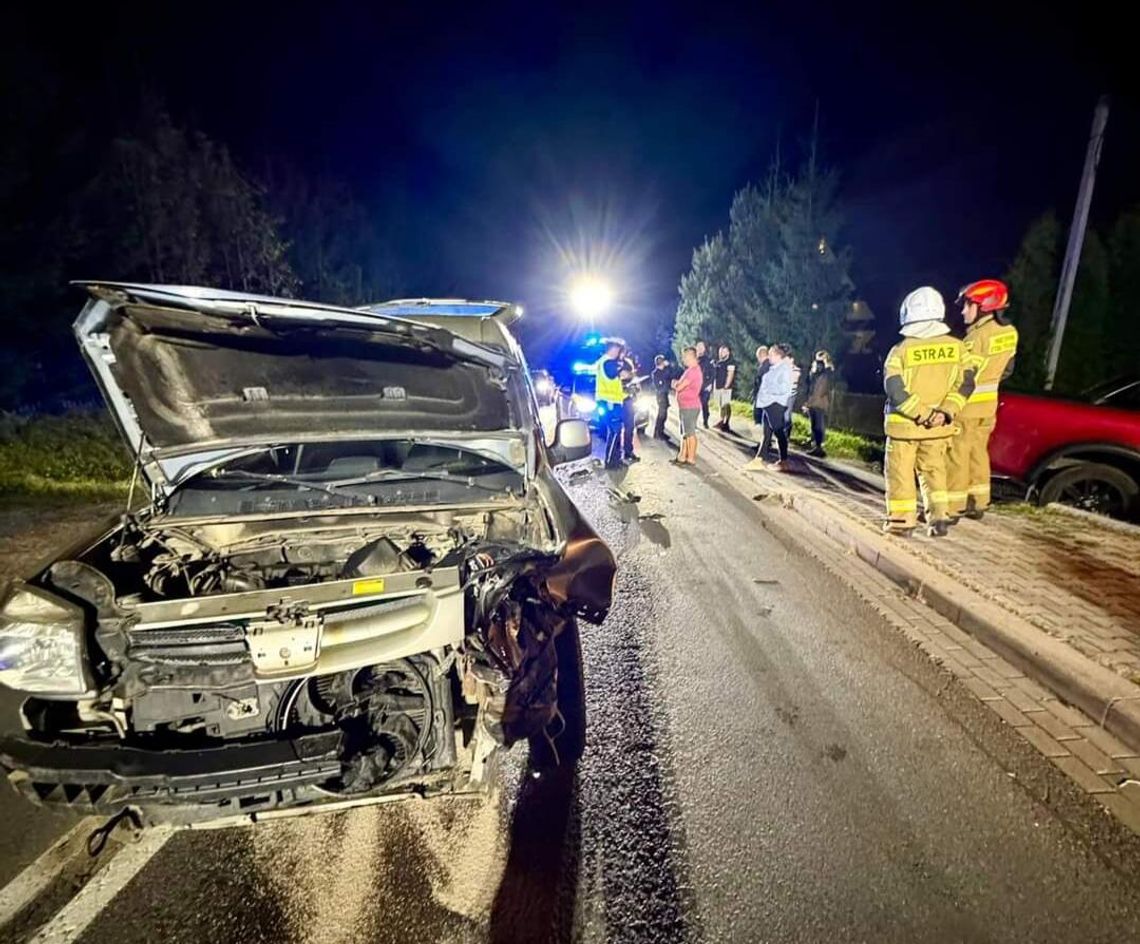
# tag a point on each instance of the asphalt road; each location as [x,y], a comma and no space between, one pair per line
[767,761]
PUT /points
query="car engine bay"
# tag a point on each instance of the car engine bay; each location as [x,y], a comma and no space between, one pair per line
[189,663]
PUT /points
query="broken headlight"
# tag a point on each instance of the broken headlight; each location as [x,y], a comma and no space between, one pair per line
[41,644]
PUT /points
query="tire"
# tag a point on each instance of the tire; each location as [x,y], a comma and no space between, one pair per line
[571,741]
[1091,486]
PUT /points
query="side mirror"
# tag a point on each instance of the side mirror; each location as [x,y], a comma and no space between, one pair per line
[571,442]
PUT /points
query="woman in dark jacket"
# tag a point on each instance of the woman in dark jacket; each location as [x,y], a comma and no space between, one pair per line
[819,400]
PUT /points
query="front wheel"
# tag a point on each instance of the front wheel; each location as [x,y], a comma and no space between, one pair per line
[1091,486]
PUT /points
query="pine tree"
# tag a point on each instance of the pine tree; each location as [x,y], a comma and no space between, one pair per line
[1124,276]
[779,274]
[1032,281]
[1084,351]
[701,312]
[808,280]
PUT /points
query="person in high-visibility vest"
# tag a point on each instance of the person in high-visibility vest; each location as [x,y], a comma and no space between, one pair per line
[927,379]
[992,344]
[609,394]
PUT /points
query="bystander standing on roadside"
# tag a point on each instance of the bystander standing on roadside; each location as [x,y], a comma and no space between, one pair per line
[724,376]
[795,373]
[688,386]
[774,398]
[662,378]
[706,366]
[819,400]
[628,409]
[762,366]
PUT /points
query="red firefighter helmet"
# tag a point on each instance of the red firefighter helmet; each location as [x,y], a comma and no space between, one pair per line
[988,294]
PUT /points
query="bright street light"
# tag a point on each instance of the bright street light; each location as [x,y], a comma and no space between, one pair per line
[590,296]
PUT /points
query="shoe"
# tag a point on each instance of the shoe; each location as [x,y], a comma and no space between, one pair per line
[888,528]
[953,520]
[676,461]
[976,514]
[776,466]
[633,459]
[939,528]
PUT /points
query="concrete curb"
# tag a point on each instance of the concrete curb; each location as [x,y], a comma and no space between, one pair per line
[1112,701]
[1121,527]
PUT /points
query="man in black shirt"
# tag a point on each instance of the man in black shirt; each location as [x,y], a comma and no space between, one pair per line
[662,378]
[724,376]
[704,362]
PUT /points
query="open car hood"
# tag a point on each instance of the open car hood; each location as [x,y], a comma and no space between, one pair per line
[194,374]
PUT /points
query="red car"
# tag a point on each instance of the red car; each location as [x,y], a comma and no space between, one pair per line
[1081,453]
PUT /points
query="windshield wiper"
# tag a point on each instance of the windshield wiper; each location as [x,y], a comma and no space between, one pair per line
[398,475]
[274,478]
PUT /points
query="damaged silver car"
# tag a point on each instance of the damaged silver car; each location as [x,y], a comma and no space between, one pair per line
[355,577]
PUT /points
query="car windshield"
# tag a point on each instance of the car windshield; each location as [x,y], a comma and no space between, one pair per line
[1111,390]
[1122,393]
[299,477]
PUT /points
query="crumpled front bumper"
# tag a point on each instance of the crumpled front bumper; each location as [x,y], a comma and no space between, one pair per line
[104,778]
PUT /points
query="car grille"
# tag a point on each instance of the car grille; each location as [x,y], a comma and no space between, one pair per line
[212,644]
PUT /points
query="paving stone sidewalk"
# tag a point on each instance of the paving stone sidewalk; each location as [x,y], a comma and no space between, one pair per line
[1071,577]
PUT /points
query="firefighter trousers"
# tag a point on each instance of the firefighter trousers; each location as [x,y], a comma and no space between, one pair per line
[906,459]
[968,465]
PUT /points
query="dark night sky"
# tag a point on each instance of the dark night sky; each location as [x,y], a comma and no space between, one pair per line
[494,139]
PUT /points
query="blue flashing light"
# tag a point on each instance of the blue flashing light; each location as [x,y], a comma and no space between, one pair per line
[593,339]
[581,367]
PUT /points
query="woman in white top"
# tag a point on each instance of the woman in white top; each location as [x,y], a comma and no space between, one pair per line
[773,399]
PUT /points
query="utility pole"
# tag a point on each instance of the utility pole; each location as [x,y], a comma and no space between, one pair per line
[1076,239]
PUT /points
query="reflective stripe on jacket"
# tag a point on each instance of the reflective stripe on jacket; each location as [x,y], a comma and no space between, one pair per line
[922,375]
[992,347]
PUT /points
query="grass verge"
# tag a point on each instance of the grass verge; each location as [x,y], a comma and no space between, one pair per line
[837,443]
[76,456]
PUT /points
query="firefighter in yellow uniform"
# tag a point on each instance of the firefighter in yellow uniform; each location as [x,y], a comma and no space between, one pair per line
[992,344]
[927,379]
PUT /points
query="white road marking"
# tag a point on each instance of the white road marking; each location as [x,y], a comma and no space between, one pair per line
[74,917]
[25,887]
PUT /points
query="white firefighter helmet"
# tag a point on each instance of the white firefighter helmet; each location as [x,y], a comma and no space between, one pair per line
[923,304]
